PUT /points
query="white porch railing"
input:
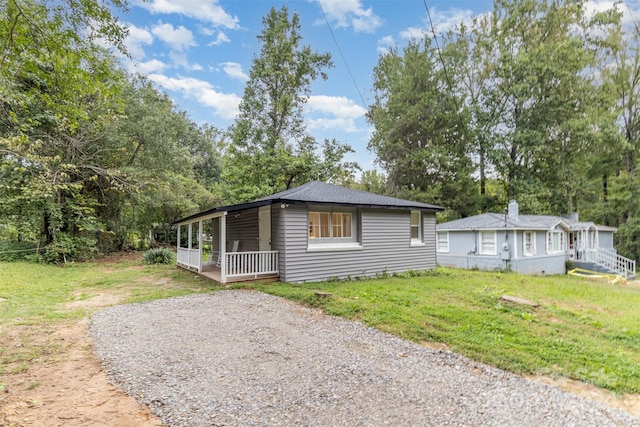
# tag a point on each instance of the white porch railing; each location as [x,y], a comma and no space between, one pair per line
[251,263]
[624,266]
[189,258]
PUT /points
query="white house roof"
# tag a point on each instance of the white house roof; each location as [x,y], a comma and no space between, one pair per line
[494,221]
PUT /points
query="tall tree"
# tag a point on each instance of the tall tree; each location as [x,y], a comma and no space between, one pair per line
[270,148]
[420,136]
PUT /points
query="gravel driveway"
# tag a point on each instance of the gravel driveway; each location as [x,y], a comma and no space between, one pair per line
[244,358]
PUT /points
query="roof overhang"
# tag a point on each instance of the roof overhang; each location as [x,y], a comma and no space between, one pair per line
[219,211]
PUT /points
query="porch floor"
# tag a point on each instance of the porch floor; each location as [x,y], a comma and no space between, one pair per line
[212,272]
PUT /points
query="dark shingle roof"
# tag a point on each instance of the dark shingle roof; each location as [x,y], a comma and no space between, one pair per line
[318,192]
[321,193]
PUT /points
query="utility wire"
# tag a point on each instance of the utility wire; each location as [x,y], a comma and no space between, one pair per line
[364,104]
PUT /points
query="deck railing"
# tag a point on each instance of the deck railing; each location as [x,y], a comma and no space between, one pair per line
[251,263]
[189,258]
[624,266]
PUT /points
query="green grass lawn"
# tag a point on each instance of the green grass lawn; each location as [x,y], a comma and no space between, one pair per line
[582,329]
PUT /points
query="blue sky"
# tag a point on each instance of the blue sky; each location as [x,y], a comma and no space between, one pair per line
[200,53]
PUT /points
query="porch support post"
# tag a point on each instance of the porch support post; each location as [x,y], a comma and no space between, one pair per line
[223,248]
[200,246]
[178,242]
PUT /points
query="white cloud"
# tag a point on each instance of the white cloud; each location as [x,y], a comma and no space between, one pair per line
[443,21]
[136,38]
[413,33]
[450,18]
[344,112]
[221,38]
[153,66]
[179,59]
[234,70]
[202,10]
[225,105]
[385,44]
[345,13]
[178,38]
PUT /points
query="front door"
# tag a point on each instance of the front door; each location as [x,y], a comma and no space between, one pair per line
[264,228]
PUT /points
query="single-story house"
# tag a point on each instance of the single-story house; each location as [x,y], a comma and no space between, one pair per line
[313,232]
[529,244]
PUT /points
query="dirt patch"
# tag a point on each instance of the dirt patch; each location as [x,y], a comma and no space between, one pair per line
[66,387]
[102,299]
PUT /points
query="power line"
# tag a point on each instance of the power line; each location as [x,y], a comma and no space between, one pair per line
[364,104]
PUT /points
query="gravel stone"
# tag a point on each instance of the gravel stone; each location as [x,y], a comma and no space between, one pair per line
[244,358]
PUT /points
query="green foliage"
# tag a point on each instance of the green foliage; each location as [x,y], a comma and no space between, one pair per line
[15,251]
[159,256]
[583,330]
[90,159]
[419,135]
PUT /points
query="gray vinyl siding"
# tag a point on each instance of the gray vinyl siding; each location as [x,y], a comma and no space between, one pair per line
[385,239]
[243,227]
[605,239]
[463,253]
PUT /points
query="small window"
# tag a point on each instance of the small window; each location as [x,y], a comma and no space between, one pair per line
[443,241]
[556,242]
[529,243]
[416,227]
[487,242]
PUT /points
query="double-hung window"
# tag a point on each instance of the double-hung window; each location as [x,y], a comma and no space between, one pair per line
[443,241]
[487,242]
[529,243]
[556,242]
[335,226]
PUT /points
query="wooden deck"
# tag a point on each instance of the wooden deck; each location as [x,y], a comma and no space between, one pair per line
[213,273]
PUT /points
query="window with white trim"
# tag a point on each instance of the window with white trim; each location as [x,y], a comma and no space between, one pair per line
[442,244]
[329,226]
[556,242]
[529,243]
[416,227]
[487,242]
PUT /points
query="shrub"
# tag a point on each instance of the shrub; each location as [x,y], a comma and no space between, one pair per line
[159,256]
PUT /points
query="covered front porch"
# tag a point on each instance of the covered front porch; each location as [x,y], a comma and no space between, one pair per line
[229,246]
